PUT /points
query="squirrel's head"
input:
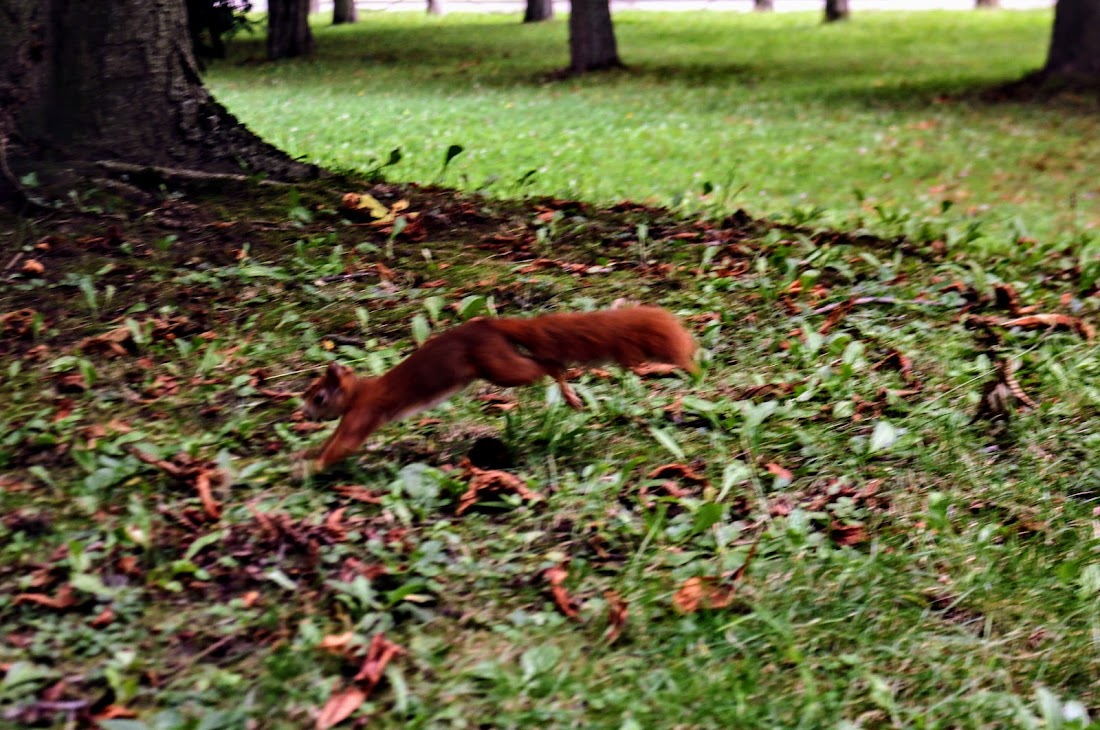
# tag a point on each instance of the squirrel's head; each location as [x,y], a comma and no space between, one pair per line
[326,398]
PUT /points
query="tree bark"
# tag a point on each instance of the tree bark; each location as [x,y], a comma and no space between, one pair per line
[591,37]
[763,6]
[344,11]
[987,3]
[288,33]
[538,11]
[1075,41]
[435,7]
[120,83]
[836,10]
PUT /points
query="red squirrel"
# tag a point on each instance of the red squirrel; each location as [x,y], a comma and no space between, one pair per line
[504,351]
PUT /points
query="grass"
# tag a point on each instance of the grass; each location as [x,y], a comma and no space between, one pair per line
[914,566]
[862,124]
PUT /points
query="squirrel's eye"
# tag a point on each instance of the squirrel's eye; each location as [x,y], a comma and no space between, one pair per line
[319,398]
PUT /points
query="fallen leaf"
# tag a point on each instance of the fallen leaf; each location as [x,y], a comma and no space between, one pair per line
[677,471]
[339,707]
[702,592]
[105,617]
[334,524]
[379,654]
[556,578]
[780,472]
[64,599]
[114,342]
[203,486]
[358,493]
[1054,322]
[616,616]
[486,480]
[336,643]
[17,323]
[843,534]
[33,267]
[653,369]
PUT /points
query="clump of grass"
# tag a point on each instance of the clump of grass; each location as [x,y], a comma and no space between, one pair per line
[858,124]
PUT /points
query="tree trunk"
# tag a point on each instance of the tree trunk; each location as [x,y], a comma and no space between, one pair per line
[118,83]
[435,7]
[538,11]
[987,3]
[344,11]
[836,10]
[591,37]
[288,33]
[1075,41]
[763,6]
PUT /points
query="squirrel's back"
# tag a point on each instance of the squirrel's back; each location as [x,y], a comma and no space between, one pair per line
[627,336]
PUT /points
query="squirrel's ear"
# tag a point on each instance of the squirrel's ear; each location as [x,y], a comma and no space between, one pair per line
[335,370]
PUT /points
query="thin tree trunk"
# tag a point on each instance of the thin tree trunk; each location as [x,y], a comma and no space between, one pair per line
[120,83]
[591,37]
[836,10]
[288,33]
[344,11]
[987,3]
[1075,41]
[538,11]
[763,6]
[435,7]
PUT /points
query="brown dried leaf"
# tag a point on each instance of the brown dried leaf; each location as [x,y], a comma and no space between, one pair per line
[677,471]
[203,483]
[340,705]
[843,534]
[1054,322]
[780,472]
[17,323]
[33,267]
[64,599]
[119,341]
[336,643]
[616,616]
[702,592]
[379,654]
[486,480]
[334,524]
[359,493]
[105,617]
[556,578]
[653,369]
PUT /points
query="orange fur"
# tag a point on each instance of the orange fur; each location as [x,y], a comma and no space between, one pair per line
[506,352]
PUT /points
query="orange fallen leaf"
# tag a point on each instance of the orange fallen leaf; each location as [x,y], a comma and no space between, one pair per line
[33,267]
[105,617]
[677,471]
[653,369]
[114,712]
[379,654]
[339,707]
[334,523]
[702,592]
[358,493]
[843,534]
[492,480]
[780,472]
[203,486]
[616,616]
[336,643]
[64,599]
[556,578]
[248,600]
[1054,322]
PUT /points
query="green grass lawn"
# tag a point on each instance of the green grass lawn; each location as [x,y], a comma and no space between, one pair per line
[914,567]
[856,124]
